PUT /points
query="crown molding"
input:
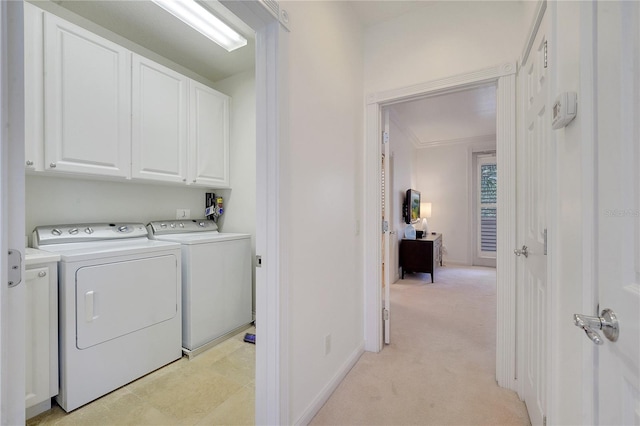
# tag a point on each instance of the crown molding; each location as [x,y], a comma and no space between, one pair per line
[399,122]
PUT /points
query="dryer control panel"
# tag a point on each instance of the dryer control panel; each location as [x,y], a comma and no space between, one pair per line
[85,232]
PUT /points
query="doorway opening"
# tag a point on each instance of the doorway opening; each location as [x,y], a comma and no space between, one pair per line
[503,77]
[269,373]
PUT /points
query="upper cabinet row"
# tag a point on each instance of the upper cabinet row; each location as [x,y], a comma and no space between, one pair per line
[95,108]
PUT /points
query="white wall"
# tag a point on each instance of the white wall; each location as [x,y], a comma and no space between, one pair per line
[326,106]
[444,178]
[446,38]
[57,200]
[442,40]
[403,177]
[240,200]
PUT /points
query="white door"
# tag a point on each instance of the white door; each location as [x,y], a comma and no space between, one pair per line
[386,269]
[208,136]
[532,276]
[87,89]
[159,122]
[616,370]
[37,331]
[12,300]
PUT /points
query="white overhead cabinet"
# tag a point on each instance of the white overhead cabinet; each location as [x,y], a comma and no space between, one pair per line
[159,133]
[209,136]
[33,88]
[102,110]
[87,101]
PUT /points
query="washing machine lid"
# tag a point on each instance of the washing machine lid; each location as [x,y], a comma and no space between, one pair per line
[202,237]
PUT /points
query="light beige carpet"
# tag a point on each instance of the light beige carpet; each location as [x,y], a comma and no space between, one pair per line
[440,366]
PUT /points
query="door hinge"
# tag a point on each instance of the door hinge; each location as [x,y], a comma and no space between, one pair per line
[385,226]
[385,314]
[258,261]
[545,241]
[15,267]
[545,54]
[385,137]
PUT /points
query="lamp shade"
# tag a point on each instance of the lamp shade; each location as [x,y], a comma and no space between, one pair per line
[425,210]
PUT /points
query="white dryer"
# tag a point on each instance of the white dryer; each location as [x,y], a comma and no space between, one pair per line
[216,281]
[119,306]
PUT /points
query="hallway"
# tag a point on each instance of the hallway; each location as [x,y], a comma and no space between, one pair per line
[440,366]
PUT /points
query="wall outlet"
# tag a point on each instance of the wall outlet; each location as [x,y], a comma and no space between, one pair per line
[183,214]
[327,344]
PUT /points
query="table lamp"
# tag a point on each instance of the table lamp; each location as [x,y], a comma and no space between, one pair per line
[425,212]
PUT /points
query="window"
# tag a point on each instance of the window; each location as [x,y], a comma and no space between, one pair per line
[485,211]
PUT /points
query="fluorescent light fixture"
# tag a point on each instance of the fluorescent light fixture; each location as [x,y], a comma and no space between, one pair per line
[201,20]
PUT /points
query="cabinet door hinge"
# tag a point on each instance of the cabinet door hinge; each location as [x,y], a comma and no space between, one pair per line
[544,420]
[385,137]
[385,226]
[545,242]
[385,314]
[15,267]
[545,54]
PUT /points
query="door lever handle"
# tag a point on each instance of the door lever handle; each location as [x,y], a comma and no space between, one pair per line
[607,322]
[523,251]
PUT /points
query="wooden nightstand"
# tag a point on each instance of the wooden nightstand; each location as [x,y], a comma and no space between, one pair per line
[421,255]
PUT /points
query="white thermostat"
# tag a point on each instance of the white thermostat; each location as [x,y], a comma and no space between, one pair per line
[564,109]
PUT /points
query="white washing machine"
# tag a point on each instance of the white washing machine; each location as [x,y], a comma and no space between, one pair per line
[216,281]
[119,306]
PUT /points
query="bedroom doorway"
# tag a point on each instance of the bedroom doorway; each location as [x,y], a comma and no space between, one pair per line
[504,78]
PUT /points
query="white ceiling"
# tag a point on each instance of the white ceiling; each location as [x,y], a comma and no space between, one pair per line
[150,26]
[460,117]
[454,117]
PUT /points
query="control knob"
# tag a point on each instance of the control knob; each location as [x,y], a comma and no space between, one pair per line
[73,231]
[56,231]
[88,230]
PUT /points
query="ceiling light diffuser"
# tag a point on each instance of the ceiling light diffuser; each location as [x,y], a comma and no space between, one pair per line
[201,20]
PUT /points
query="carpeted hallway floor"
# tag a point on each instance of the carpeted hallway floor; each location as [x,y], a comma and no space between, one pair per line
[440,366]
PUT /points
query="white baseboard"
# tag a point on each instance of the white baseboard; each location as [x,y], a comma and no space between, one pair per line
[328,390]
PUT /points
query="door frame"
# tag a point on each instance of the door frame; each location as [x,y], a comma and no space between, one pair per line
[272,364]
[12,207]
[272,141]
[504,77]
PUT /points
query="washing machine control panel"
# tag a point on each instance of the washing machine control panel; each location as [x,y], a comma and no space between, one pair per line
[164,227]
[76,233]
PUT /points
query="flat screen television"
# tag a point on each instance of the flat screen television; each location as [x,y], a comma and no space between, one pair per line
[412,206]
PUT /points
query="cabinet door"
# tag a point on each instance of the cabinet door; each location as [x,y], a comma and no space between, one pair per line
[37,336]
[208,137]
[33,87]
[159,136]
[87,90]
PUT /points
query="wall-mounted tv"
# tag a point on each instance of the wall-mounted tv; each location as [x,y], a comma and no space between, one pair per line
[411,207]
